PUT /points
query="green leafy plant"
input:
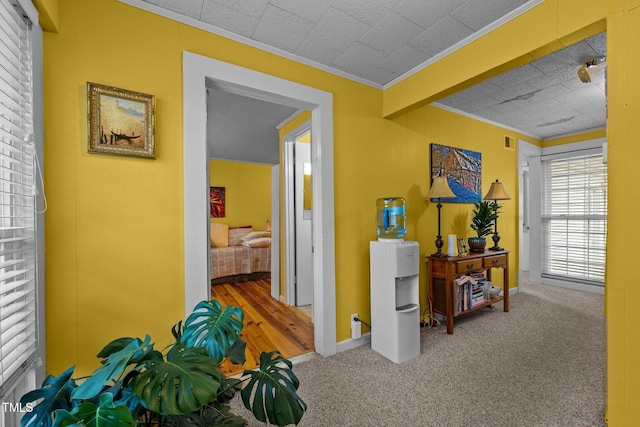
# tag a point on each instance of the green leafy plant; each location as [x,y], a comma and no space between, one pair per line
[484,216]
[137,385]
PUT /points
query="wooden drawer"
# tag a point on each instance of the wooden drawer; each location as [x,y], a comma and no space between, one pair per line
[468,265]
[495,261]
[438,267]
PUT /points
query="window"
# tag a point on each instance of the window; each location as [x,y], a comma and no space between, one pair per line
[18,306]
[574,217]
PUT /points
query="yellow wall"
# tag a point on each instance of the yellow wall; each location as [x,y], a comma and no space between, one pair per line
[622,292]
[48,14]
[114,228]
[247,192]
[596,134]
[114,237]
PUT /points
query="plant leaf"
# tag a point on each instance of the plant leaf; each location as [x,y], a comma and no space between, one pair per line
[236,353]
[114,366]
[273,388]
[115,346]
[185,382]
[55,394]
[89,415]
[212,328]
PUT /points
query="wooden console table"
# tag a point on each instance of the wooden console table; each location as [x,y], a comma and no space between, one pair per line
[441,272]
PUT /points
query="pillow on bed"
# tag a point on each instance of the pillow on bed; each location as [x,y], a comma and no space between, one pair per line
[260,242]
[236,235]
[256,235]
[219,235]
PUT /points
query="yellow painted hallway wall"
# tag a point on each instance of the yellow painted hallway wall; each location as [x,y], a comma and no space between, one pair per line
[114,228]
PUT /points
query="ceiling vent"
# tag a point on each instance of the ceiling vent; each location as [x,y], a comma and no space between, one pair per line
[509,143]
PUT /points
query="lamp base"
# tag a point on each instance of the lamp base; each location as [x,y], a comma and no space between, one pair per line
[439,255]
[496,239]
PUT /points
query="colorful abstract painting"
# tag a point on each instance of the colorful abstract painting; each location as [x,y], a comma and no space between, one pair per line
[216,196]
[463,169]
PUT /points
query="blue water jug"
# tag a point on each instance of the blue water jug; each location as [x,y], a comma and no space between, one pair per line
[391,218]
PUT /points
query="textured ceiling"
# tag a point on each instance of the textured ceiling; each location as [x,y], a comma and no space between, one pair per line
[244,129]
[544,98]
[374,40]
[380,42]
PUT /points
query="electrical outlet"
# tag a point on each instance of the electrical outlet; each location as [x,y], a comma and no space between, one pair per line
[356,327]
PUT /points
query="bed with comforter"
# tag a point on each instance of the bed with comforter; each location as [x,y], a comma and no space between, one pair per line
[239,254]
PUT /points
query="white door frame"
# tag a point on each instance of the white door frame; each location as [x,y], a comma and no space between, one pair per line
[526,152]
[200,72]
[289,207]
[275,232]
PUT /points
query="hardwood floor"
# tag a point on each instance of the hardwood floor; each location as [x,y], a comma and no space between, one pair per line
[268,324]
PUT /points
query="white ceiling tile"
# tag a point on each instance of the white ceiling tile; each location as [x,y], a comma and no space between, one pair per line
[474,106]
[402,60]
[426,13]
[317,52]
[281,28]
[367,11]
[228,19]
[598,43]
[520,92]
[477,14]
[477,91]
[441,36]
[312,10]
[359,56]
[560,75]
[253,8]
[549,92]
[391,33]
[534,107]
[516,76]
[192,8]
[338,30]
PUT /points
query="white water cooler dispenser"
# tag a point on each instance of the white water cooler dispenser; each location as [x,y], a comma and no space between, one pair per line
[395,306]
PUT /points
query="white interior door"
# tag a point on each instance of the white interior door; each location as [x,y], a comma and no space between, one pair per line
[303,241]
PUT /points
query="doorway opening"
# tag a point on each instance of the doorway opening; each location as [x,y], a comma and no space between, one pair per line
[200,72]
[298,219]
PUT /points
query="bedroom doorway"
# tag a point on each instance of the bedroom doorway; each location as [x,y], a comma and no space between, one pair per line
[298,195]
[200,72]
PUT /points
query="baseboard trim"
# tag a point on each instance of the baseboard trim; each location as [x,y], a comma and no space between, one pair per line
[351,343]
[573,285]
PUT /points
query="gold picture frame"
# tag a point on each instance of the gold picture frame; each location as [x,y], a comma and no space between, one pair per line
[120,122]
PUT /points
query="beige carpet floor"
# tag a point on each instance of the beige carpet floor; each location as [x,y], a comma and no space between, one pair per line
[541,364]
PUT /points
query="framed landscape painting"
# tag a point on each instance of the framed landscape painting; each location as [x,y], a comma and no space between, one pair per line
[463,169]
[120,121]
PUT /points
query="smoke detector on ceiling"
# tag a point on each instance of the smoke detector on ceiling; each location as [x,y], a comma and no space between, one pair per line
[583,74]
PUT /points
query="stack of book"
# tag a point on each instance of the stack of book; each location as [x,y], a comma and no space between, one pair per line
[469,292]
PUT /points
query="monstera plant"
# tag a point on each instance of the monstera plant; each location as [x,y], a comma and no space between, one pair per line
[137,385]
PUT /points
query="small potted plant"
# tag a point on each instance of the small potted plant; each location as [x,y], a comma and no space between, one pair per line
[484,216]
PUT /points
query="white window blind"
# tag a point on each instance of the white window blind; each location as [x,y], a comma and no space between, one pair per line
[18,329]
[574,218]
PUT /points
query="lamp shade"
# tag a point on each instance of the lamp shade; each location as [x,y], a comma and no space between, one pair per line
[497,192]
[440,188]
